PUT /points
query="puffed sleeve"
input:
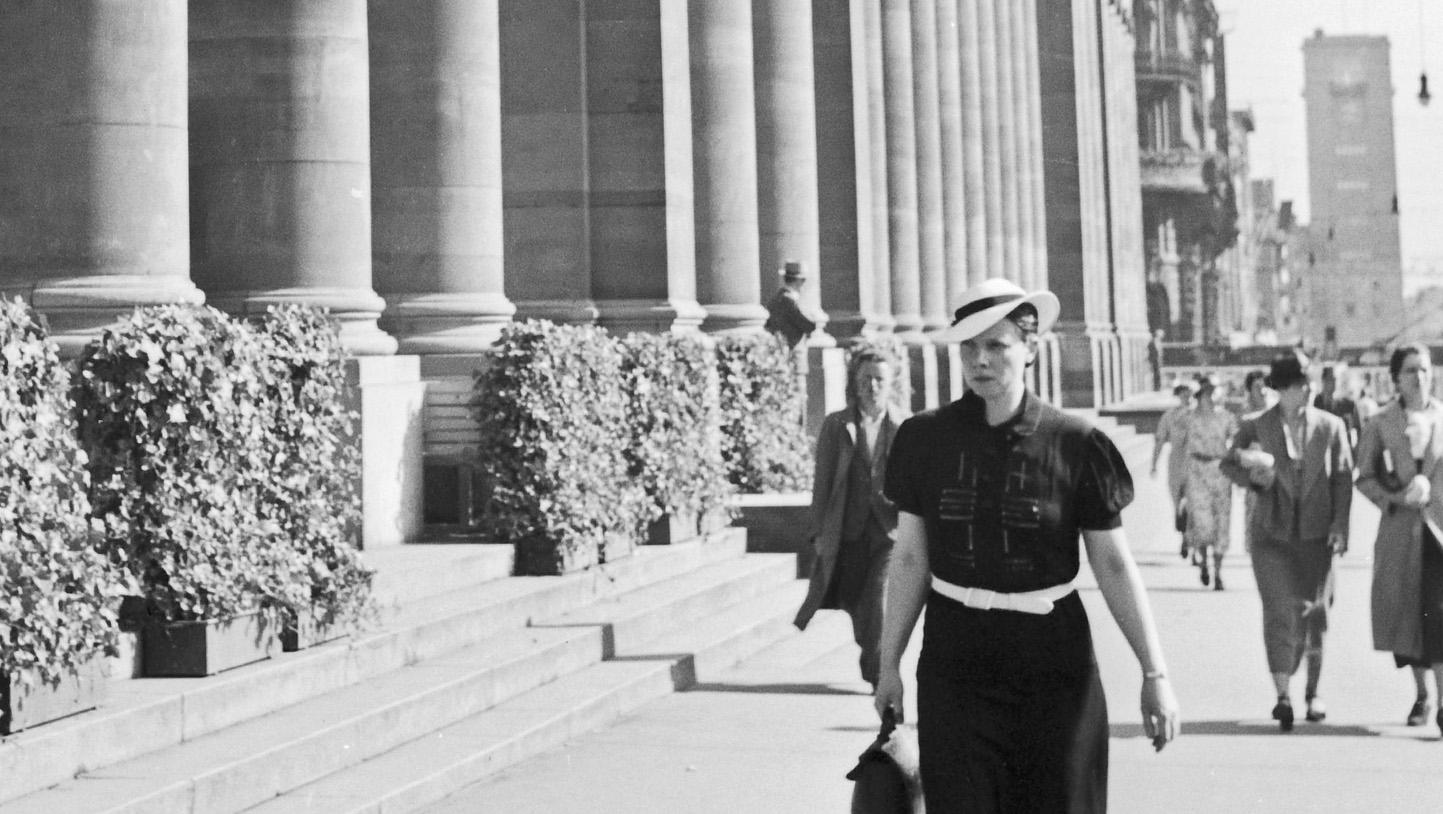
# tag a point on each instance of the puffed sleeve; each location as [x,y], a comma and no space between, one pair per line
[1105,485]
[904,469]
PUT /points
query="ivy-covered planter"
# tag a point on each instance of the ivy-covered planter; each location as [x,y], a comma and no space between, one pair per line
[23,707]
[206,647]
[764,440]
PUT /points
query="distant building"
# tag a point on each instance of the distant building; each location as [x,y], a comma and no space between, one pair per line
[1355,278]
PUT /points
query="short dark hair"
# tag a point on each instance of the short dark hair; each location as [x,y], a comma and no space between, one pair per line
[1025,318]
[1401,354]
[1254,375]
[1181,389]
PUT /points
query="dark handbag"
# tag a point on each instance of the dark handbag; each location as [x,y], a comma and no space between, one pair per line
[886,778]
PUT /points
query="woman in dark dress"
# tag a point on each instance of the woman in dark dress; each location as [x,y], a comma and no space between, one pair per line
[1400,457]
[993,491]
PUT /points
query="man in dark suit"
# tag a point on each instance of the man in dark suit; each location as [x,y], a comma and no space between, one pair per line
[786,317]
[1335,401]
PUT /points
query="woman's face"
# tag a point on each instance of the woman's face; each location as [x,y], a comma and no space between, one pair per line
[871,383]
[1415,378]
[994,361]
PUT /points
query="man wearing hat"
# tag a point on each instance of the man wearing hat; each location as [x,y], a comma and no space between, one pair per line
[1298,462]
[993,492]
[785,315]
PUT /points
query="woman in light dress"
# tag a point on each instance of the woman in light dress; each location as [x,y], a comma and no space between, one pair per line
[1208,492]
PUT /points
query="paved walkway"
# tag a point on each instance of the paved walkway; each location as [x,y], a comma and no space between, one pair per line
[778,732]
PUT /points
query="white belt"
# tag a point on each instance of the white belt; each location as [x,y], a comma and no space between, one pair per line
[1038,602]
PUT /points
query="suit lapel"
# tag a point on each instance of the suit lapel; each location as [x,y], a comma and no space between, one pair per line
[1315,450]
[1272,423]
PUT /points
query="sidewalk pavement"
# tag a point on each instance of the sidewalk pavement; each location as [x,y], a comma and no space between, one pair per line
[778,732]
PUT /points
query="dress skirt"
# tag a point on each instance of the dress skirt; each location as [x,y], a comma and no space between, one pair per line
[1018,697]
[1431,606]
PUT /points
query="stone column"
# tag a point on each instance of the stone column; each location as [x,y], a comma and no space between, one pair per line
[436,172]
[974,175]
[877,125]
[901,164]
[724,147]
[844,157]
[1021,33]
[93,219]
[544,120]
[639,189]
[280,160]
[787,206]
[931,243]
[954,192]
[989,93]
[1007,95]
[1036,191]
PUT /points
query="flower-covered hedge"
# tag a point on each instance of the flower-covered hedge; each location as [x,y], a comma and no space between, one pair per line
[675,412]
[58,592]
[765,444]
[553,455]
[203,433]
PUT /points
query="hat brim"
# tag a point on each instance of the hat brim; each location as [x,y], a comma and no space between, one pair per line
[1044,301]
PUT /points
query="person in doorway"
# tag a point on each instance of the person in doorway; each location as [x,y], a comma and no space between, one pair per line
[1207,491]
[1297,462]
[1171,431]
[786,317]
[993,492]
[1399,458]
[852,522]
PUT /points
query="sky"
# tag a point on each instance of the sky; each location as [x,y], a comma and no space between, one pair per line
[1265,73]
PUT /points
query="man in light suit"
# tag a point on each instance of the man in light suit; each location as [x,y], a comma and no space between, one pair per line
[1298,462]
[853,524]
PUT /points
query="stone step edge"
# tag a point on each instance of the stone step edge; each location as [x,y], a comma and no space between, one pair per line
[531,723]
[145,719]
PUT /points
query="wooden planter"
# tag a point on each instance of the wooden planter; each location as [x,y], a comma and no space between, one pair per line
[25,708]
[539,557]
[302,631]
[778,523]
[679,528]
[202,648]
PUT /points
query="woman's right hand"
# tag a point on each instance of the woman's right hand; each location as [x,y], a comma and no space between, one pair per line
[888,693]
[1417,492]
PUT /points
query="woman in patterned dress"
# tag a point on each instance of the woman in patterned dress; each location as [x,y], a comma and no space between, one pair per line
[1208,492]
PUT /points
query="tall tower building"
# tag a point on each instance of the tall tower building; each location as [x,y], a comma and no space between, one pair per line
[1355,283]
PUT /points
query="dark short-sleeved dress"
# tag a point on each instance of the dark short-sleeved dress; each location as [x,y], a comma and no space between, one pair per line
[1011,715]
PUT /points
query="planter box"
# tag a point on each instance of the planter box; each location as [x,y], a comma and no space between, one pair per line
[778,523]
[203,648]
[302,631]
[537,557]
[23,709]
[680,528]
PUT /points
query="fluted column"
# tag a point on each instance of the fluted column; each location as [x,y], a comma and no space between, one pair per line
[877,121]
[436,205]
[931,243]
[787,207]
[280,160]
[901,164]
[1023,138]
[724,156]
[990,95]
[974,175]
[546,189]
[1036,190]
[844,159]
[1007,95]
[93,218]
[953,175]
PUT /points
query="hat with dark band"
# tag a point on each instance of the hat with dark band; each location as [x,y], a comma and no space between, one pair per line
[984,304]
[794,271]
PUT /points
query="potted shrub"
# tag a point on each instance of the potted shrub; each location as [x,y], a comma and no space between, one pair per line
[171,412]
[58,592]
[552,458]
[764,442]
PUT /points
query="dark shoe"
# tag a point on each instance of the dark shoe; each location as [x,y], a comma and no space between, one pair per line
[1420,713]
[1203,573]
[1182,551]
[1218,580]
[1283,714]
[1317,710]
[1440,720]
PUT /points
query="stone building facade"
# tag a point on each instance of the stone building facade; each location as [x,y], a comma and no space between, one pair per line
[431,169]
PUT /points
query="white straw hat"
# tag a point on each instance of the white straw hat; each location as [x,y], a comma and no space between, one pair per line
[987,302]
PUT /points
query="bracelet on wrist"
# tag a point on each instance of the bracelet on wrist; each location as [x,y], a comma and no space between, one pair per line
[1155,674]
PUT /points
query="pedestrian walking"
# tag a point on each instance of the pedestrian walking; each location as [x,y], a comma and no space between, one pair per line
[993,491]
[1171,430]
[1399,457]
[1207,491]
[1334,397]
[1296,461]
[852,522]
[785,315]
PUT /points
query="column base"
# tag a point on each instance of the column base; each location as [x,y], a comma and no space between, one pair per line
[1086,356]
[649,316]
[565,312]
[826,384]
[355,309]
[446,323]
[78,310]
[734,318]
[389,396]
[849,328]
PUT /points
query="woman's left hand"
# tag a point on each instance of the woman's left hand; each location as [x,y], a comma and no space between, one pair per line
[1159,711]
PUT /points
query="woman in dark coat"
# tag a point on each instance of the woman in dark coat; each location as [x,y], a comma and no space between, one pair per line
[852,523]
[1400,457]
[993,492]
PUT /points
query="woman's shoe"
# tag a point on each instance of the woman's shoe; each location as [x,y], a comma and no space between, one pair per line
[1420,713]
[1203,572]
[1283,714]
[1440,719]
[1217,580]
[1317,710]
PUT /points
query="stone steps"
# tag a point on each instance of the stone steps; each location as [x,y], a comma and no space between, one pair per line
[428,769]
[146,715]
